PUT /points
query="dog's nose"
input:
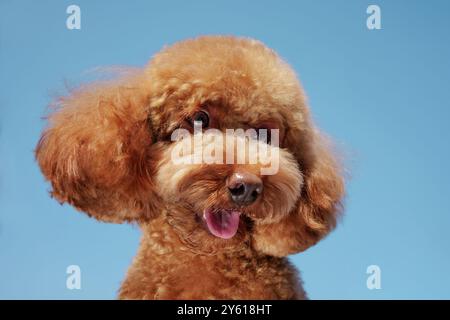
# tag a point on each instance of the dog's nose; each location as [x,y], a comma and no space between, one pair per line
[244,187]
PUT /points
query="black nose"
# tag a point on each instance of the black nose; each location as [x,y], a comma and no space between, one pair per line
[244,188]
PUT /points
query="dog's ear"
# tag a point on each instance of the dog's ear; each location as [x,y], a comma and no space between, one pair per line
[97,151]
[319,205]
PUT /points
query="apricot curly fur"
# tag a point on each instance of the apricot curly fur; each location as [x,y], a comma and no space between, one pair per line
[107,151]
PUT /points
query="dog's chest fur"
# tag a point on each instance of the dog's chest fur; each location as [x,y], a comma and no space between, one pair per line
[165,268]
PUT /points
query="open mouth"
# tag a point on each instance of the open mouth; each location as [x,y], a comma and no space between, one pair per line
[222,223]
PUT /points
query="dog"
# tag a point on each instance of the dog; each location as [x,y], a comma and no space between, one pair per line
[210,230]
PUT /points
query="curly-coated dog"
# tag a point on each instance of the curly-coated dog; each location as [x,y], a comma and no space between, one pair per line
[211,229]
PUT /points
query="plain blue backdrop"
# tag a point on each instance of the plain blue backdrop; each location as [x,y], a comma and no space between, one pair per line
[384,95]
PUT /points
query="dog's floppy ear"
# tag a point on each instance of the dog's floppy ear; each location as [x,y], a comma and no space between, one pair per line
[319,204]
[97,150]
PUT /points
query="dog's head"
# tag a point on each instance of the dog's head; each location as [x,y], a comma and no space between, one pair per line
[161,143]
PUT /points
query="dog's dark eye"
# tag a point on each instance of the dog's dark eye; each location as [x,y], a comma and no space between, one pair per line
[201,116]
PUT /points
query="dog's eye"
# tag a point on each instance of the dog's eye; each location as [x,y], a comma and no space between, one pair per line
[202,117]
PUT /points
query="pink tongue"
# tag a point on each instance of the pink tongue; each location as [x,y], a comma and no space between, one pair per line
[222,223]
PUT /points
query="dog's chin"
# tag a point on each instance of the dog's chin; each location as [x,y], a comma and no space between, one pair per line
[214,230]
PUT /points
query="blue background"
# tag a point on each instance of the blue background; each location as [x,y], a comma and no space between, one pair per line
[382,94]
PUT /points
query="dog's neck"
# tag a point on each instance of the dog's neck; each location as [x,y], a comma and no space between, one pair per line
[168,266]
